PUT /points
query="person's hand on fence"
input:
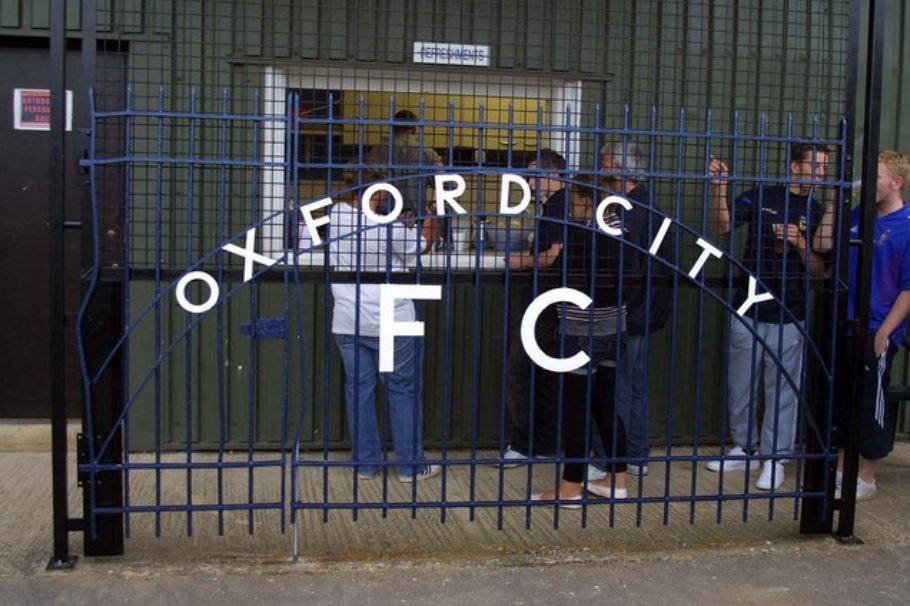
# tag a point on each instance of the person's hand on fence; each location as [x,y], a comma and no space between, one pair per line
[720,214]
[718,171]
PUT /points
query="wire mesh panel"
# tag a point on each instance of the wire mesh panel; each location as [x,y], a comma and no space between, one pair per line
[670,162]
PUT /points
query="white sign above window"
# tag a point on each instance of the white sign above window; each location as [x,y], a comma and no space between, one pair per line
[443,53]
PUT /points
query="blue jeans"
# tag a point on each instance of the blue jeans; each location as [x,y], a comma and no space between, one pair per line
[631,400]
[360,356]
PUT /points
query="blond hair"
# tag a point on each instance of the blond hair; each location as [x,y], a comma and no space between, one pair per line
[898,164]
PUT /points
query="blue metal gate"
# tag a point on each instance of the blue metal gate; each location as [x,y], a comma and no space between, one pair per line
[221,276]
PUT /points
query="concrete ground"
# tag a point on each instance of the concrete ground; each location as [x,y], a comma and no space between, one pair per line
[402,559]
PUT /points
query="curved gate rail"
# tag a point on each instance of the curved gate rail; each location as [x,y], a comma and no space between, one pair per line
[186,172]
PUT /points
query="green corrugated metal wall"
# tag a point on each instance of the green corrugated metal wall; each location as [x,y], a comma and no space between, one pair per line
[691,55]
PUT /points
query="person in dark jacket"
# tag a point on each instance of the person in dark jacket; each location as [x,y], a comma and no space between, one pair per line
[593,263]
[646,295]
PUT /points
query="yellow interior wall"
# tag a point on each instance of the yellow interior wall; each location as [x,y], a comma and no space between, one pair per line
[465,109]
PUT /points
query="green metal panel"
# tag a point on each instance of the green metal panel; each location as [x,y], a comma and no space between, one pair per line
[308,25]
[274,396]
[367,21]
[160,15]
[706,54]
[565,33]
[424,12]
[395,43]
[895,130]
[591,36]
[104,15]
[250,24]
[669,71]
[506,43]
[131,16]
[536,38]
[40,14]
[73,15]
[280,23]
[11,13]
[334,35]
[455,22]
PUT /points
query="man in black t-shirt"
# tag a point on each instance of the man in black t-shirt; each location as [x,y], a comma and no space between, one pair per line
[552,213]
[783,232]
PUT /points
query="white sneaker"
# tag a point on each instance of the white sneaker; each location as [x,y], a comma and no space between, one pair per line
[636,470]
[768,469]
[595,473]
[608,492]
[430,471]
[865,490]
[513,458]
[738,465]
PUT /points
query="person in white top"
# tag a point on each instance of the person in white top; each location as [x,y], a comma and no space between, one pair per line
[358,243]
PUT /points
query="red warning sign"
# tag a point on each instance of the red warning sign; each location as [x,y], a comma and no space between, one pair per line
[32,109]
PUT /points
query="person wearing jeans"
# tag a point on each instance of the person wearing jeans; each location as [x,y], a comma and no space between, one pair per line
[357,242]
[632,402]
[360,356]
[623,164]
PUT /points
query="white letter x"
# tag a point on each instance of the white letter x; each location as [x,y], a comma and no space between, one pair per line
[249,255]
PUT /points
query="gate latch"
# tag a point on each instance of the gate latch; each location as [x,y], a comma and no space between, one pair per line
[81,458]
[266,328]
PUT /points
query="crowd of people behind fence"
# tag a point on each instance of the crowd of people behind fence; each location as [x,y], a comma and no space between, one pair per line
[788,236]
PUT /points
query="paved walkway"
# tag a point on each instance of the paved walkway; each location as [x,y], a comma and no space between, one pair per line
[400,558]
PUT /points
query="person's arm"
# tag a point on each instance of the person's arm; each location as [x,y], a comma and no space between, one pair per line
[544,259]
[429,232]
[720,212]
[898,313]
[809,257]
[824,235]
[406,240]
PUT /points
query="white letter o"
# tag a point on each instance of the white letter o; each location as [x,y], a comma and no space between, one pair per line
[192,276]
[368,195]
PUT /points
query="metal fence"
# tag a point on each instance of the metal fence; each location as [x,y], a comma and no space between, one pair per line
[218,129]
[221,287]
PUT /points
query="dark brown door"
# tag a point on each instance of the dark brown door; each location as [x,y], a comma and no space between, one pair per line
[24,355]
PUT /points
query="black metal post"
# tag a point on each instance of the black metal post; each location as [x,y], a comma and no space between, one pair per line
[871,124]
[816,514]
[56,301]
[104,532]
[101,328]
